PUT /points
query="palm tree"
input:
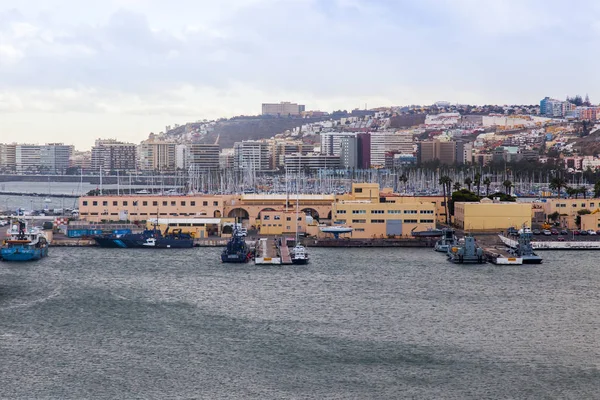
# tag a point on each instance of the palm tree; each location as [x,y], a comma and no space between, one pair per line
[404,179]
[456,186]
[468,182]
[477,182]
[507,186]
[557,183]
[571,192]
[445,182]
[583,191]
[487,182]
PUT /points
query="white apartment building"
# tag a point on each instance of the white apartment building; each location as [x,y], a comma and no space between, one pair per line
[55,158]
[283,109]
[331,142]
[252,154]
[384,142]
[27,158]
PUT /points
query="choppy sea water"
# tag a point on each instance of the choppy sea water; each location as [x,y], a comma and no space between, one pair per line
[353,324]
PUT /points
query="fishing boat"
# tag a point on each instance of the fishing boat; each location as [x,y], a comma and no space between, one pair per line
[173,240]
[467,252]
[447,241]
[298,254]
[237,250]
[24,244]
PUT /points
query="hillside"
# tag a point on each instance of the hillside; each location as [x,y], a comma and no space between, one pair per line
[243,128]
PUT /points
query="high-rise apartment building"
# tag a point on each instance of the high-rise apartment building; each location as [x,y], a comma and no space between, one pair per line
[444,151]
[331,142]
[156,155]
[8,162]
[281,148]
[27,157]
[301,162]
[252,154]
[55,158]
[227,159]
[283,109]
[349,152]
[385,142]
[112,155]
[182,156]
[203,157]
[364,150]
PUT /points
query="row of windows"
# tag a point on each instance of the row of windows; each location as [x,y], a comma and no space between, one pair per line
[389,212]
[154,203]
[277,218]
[563,205]
[426,212]
[359,212]
[382,221]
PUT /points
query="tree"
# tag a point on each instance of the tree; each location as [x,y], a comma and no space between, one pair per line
[477,182]
[445,182]
[581,212]
[557,183]
[404,179]
[456,186]
[571,191]
[554,216]
[597,189]
[468,182]
[583,191]
[507,186]
[487,182]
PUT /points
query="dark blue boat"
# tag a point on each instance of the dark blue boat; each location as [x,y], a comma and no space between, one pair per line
[237,250]
[150,238]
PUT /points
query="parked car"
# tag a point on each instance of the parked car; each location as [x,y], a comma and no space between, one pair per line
[537,232]
[564,232]
[546,232]
[560,238]
[591,232]
[554,231]
[583,233]
[598,232]
[575,232]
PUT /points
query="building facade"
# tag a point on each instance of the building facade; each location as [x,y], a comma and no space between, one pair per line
[204,157]
[252,155]
[112,155]
[386,142]
[283,109]
[489,215]
[8,154]
[156,155]
[28,159]
[300,162]
[55,158]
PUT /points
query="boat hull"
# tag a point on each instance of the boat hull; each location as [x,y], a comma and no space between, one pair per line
[300,261]
[112,243]
[20,254]
[235,258]
[532,259]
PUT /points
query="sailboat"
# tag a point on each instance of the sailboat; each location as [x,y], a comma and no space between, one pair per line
[298,254]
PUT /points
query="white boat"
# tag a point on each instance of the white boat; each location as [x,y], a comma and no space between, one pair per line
[336,229]
[298,254]
[47,200]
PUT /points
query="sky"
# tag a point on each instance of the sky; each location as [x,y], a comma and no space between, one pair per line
[73,71]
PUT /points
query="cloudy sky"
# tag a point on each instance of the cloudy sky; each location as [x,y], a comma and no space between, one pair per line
[73,70]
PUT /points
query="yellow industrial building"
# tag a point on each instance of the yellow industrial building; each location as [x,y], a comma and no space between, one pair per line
[568,208]
[373,216]
[488,215]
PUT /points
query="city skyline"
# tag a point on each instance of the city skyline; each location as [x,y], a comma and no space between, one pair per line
[75,72]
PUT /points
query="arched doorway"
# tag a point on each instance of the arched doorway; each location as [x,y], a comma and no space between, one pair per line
[217,214]
[312,212]
[238,213]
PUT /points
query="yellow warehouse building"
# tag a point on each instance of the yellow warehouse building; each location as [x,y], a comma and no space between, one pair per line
[488,215]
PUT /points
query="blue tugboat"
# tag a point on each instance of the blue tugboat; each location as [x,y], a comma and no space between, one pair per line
[447,241]
[524,248]
[237,250]
[24,244]
[467,252]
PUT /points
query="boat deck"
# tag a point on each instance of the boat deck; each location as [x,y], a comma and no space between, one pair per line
[499,255]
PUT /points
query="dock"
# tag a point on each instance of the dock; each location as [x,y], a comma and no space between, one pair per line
[346,242]
[284,252]
[267,252]
[555,245]
[499,255]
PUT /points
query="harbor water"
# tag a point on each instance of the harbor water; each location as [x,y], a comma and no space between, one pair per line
[353,324]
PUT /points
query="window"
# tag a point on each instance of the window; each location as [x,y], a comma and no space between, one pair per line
[114,214]
[183,203]
[377,211]
[115,203]
[125,203]
[359,211]
[574,205]
[378,221]
[427,221]
[144,203]
[173,203]
[288,218]
[135,203]
[341,221]
[583,205]
[357,190]
[341,212]
[143,213]
[192,203]
[164,203]
[216,203]
[205,203]
[85,202]
[394,211]
[276,217]
[163,213]
[133,214]
[94,214]
[266,218]
[155,203]
[84,213]
[288,228]
[359,221]
[410,221]
[592,205]
[410,211]
[426,212]
[94,203]
[360,229]
[105,203]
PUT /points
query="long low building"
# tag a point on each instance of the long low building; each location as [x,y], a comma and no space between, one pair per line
[488,215]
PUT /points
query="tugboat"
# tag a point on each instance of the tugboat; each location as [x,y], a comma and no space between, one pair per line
[237,250]
[447,241]
[174,240]
[467,253]
[24,244]
[524,249]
